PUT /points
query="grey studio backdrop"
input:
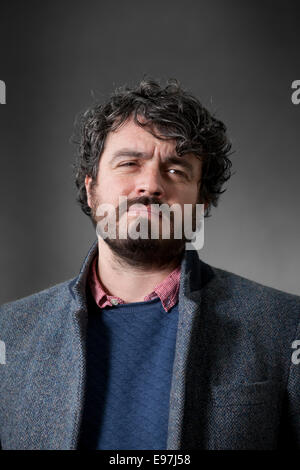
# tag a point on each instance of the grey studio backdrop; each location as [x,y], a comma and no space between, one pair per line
[238,57]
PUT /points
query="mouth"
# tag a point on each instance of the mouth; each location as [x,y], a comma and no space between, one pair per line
[150,212]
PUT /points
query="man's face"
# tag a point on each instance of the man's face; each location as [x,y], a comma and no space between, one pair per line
[146,170]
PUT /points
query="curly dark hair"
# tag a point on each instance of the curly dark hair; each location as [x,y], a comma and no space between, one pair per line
[171,110]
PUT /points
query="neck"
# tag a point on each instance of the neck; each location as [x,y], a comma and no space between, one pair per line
[125,281]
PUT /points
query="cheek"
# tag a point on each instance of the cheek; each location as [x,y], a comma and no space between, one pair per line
[111,187]
[189,195]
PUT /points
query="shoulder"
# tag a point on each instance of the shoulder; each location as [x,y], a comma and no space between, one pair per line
[252,303]
[58,291]
[245,288]
[26,311]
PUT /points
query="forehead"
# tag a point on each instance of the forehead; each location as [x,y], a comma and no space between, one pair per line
[135,137]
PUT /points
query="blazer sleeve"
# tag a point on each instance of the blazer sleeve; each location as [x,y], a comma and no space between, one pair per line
[293,394]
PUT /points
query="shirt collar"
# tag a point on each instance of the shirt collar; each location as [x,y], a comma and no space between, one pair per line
[167,290]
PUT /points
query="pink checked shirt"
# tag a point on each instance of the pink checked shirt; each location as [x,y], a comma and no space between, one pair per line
[167,290]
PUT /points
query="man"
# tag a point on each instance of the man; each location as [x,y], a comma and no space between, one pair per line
[149,347]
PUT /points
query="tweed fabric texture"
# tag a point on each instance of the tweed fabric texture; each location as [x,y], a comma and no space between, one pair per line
[233,385]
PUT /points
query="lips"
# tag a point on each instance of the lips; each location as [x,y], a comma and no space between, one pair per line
[144,210]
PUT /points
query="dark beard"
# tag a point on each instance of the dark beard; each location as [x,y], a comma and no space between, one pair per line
[146,253]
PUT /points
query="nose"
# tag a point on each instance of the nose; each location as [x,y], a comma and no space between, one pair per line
[150,183]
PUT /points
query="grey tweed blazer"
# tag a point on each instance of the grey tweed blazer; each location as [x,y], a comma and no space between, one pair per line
[234,383]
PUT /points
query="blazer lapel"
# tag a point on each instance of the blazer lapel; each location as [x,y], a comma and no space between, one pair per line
[194,276]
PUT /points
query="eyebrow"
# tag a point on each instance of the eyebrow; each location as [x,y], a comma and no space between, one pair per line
[169,159]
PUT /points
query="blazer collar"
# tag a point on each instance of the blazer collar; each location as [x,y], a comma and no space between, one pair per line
[78,286]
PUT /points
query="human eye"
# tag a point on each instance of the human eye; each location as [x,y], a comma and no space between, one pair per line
[178,172]
[127,163]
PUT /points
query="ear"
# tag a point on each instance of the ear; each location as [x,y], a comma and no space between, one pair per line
[88,182]
[206,204]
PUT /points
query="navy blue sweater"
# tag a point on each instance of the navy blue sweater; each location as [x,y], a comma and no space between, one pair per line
[130,354]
